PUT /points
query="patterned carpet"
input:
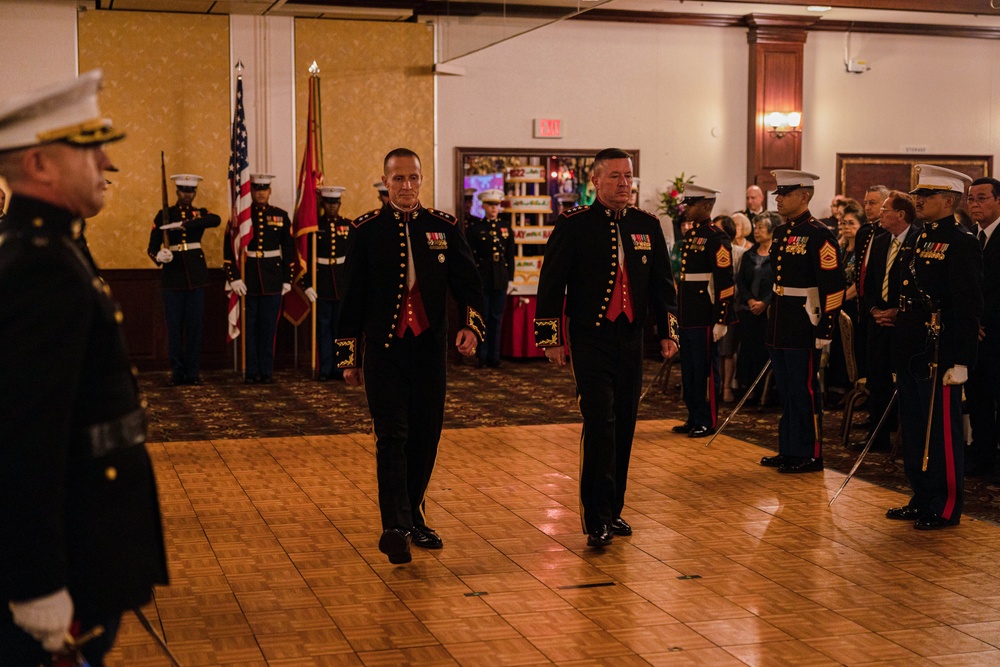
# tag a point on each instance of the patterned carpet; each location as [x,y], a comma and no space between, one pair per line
[519,393]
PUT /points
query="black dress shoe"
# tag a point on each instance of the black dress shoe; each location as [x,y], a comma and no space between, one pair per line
[700,431]
[176,381]
[934,522]
[600,537]
[620,527]
[322,377]
[682,428]
[197,382]
[425,538]
[772,461]
[904,513]
[801,465]
[493,364]
[266,379]
[250,379]
[395,543]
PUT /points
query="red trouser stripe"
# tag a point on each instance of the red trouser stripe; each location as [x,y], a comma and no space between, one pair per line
[949,452]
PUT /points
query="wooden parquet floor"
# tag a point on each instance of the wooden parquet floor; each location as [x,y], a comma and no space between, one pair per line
[274,561]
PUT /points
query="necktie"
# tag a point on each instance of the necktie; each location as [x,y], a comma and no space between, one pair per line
[982,238]
[893,251]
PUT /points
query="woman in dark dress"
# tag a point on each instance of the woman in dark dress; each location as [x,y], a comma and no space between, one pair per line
[753,295]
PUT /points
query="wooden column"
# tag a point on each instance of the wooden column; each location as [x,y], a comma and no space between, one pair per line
[776,49]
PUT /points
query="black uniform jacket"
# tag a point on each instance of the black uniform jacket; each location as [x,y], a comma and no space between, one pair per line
[862,241]
[706,252]
[78,504]
[581,260]
[331,253]
[944,270]
[806,257]
[492,244]
[875,274]
[376,277]
[991,298]
[272,231]
[187,270]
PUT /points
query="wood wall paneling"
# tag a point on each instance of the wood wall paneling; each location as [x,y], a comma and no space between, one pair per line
[857,171]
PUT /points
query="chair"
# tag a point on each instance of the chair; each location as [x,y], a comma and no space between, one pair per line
[859,392]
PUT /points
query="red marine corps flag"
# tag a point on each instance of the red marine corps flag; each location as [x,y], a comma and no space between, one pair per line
[305,222]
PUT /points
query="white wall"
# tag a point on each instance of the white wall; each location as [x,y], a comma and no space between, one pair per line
[661,89]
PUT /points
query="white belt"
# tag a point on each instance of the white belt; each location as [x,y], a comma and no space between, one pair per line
[781,290]
[696,277]
[185,246]
[327,260]
[811,294]
[263,253]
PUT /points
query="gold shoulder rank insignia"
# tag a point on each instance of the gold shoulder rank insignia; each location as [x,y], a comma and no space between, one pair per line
[573,211]
[828,256]
[723,258]
[447,217]
[366,217]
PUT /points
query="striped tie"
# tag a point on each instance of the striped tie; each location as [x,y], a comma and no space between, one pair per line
[893,251]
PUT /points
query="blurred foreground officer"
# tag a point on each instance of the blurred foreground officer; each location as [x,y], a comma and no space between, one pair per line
[934,345]
[393,320]
[268,269]
[175,245]
[325,289]
[706,288]
[609,262]
[80,533]
[983,389]
[809,288]
[492,244]
[383,192]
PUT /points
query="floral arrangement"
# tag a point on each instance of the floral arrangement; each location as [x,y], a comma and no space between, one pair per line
[670,200]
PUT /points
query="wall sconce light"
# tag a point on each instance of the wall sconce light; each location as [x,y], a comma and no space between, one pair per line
[783,123]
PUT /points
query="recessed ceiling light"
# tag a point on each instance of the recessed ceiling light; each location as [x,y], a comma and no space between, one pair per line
[818,8]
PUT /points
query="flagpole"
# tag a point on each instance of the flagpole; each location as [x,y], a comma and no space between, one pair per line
[317,142]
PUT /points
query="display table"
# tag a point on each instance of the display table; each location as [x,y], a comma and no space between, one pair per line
[517,332]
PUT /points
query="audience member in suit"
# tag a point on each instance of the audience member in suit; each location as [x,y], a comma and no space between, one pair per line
[983,389]
[875,196]
[882,281]
[756,202]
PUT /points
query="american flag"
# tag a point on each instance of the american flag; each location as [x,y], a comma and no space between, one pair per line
[240,227]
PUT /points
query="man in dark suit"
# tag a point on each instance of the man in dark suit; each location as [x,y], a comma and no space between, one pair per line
[874,197]
[393,322]
[175,245]
[269,266]
[809,292]
[609,263]
[983,388]
[756,202]
[881,302]
[80,533]
[705,289]
[934,345]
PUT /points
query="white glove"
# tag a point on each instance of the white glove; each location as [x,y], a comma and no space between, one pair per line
[285,288]
[172,225]
[239,287]
[955,375]
[311,294]
[164,256]
[823,342]
[718,331]
[46,618]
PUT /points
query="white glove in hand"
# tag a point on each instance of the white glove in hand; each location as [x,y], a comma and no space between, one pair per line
[311,294]
[164,256]
[172,225]
[823,342]
[46,618]
[956,375]
[718,331]
[285,288]
[239,287]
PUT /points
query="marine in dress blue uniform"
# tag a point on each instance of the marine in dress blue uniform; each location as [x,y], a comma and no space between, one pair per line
[492,242]
[934,341]
[325,287]
[809,287]
[80,530]
[609,263]
[269,267]
[705,294]
[183,277]
[401,261]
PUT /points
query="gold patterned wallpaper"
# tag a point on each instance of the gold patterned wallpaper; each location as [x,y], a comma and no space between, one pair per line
[166,83]
[377,94]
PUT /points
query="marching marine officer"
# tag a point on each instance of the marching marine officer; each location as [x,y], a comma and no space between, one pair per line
[934,343]
[809,288]
[331,251]
[268,270]
[175,245]
[705,291]
[393,322]
[608,262]
[492,244]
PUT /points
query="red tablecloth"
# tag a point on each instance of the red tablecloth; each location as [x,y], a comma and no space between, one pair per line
[517,332]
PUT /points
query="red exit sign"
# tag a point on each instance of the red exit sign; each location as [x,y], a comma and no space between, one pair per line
[548,128]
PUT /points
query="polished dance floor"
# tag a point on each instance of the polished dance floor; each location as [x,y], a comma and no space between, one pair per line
[274,561]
